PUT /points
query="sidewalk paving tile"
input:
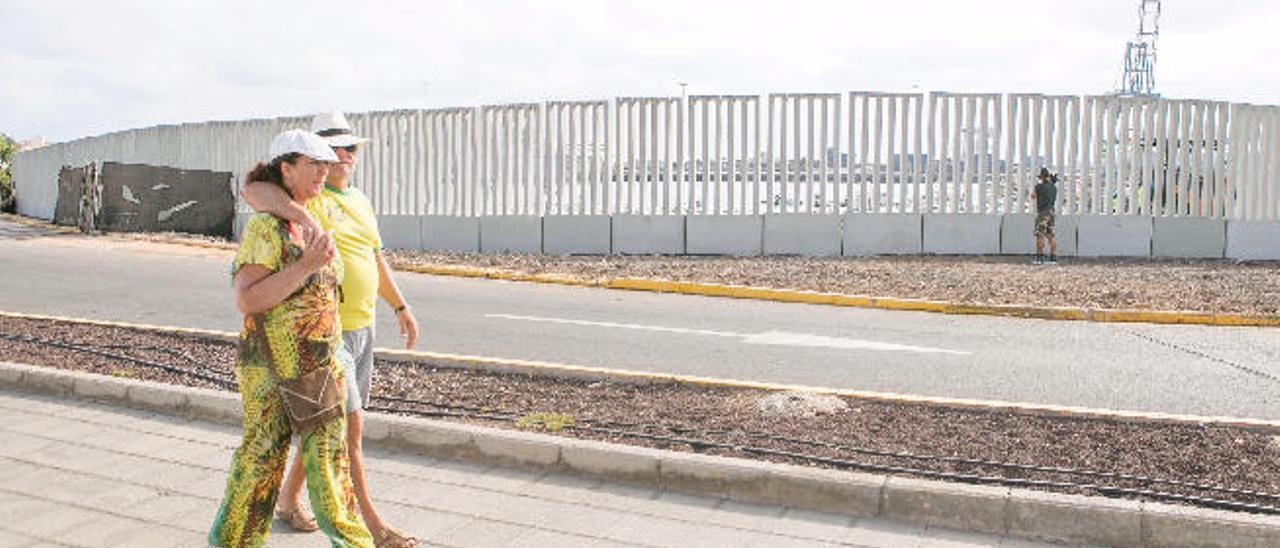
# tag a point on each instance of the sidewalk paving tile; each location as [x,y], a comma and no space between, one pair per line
[68,456]
[561,487]
[136,443]
[199,454]
[10,538]
[481,533]
[44,519]
[675,505]
[505,480]
[422,522]
[19,445]
[160,535]
[551,538]
[166,509]
[1023,543]
[808,523]
[763,540]
[606,543]
[878,533]
[103,530]
[150,480]
[754,517]
[570,518]
[49,427]
[674,533]
[616,496]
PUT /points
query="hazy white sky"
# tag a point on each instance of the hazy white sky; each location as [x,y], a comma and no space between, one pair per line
[71,69]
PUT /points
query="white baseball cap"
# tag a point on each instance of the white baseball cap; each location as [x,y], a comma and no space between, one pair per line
[302,142]
[335,129]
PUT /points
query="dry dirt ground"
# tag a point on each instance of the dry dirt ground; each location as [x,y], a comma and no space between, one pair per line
[1038,451]
[1195,285]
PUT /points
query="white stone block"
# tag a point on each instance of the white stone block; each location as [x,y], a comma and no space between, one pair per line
[648,234]
[511,234]
[1114,236]
[959,234]
[1253,240]
[881,234]
[576,234]
[440,233]
[725,234]
[400,231]
[801,234]
[1188,237]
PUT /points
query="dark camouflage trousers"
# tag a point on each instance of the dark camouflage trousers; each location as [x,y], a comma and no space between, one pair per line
[1044,224]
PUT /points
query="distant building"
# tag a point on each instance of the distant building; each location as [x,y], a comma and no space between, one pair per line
[30,144]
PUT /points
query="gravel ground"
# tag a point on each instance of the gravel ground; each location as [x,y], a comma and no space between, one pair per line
[691,418]
[1192,285]
[1189,285]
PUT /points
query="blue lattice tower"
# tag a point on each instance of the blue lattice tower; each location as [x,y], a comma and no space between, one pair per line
[1139,77]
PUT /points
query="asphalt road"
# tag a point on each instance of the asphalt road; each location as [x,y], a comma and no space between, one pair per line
[1177,369]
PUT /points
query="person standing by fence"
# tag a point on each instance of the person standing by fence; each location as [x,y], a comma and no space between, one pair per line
[346,211]
[1045,195]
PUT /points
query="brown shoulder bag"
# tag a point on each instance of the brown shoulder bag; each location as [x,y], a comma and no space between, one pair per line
[311,399]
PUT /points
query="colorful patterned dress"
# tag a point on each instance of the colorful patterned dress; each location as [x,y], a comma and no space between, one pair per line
[296,336]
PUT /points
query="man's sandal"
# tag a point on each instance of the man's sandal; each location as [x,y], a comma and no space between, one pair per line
[298,519]
[391,538]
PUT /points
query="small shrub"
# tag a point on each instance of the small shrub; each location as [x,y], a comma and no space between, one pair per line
[547,422]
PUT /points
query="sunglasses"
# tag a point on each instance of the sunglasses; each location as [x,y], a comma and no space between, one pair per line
[348,148]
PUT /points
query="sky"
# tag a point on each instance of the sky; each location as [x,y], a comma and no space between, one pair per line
[71,69]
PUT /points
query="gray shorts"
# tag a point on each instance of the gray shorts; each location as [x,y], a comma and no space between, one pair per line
[358,344]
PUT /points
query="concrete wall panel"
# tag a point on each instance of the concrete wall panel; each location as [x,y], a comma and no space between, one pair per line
[400,231]
[881,234]
[511,234]
[1186,237]
[725,234]
[443,233]
[648,234]
[575,234]
[1253,240]
[961,234]
[801,234]
[1114,236]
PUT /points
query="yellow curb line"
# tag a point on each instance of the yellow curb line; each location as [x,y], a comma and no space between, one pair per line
[499,274]
[1058,313]
[553,369]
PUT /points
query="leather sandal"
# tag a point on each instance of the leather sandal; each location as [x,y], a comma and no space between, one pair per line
[391,538]
[298,519]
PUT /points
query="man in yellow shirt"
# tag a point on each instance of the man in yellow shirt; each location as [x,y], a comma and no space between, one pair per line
[344,210]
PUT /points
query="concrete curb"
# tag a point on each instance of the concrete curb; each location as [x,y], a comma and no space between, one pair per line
[1014,512]
[567,371]
[1060,313]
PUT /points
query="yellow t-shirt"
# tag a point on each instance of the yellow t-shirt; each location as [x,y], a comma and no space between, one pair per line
[350,216]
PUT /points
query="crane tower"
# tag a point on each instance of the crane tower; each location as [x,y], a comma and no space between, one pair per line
[1140,54]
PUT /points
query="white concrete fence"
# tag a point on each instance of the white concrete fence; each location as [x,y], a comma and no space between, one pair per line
[825,173]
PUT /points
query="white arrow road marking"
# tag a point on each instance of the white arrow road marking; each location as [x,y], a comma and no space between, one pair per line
[777,338]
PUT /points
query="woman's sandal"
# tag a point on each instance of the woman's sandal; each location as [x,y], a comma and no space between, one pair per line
[298,519]
[391,538]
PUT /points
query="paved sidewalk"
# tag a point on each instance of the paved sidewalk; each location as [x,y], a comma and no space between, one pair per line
[88,474]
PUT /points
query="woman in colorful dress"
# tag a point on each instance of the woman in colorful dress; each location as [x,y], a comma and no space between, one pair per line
[287,288]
